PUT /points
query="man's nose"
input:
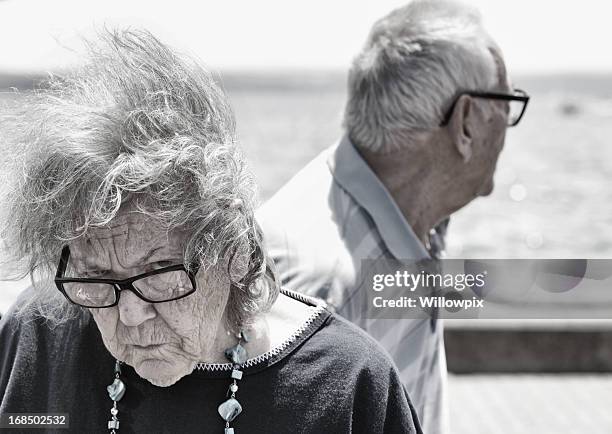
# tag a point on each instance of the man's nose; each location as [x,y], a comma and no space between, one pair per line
[133,311]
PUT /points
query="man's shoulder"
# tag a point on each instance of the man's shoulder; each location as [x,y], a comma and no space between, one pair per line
[313,229]
[312,206]
[307,188]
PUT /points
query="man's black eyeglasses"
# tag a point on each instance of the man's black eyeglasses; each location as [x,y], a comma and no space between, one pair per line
[517,103]
[157,286]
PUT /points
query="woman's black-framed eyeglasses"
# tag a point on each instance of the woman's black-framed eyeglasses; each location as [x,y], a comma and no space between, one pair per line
[165,284]
[517,103]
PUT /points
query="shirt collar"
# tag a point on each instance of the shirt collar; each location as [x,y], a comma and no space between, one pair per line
[354,175]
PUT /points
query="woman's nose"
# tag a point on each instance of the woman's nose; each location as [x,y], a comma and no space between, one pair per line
[133,311]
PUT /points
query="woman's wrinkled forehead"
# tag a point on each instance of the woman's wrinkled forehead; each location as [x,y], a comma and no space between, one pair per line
[130,239]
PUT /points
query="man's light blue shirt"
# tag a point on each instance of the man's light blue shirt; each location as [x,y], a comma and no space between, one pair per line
[319,226]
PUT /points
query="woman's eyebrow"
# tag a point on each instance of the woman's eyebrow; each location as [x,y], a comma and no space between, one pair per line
[86,265]
[150,254]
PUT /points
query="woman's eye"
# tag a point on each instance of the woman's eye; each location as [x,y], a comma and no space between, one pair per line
[96,273]
[161,264]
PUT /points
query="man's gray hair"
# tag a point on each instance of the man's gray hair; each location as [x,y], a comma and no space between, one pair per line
[140,125]
[415,61]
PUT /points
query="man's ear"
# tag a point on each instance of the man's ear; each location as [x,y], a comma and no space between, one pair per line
[461,126]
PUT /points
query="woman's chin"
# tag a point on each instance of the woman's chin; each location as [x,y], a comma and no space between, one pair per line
[163,373]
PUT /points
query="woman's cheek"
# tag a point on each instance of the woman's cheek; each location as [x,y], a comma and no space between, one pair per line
[106,319]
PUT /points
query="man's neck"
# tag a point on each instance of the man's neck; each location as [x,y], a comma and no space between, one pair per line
[414,187]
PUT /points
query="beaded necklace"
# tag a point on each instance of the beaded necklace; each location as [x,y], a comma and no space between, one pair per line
[228,410]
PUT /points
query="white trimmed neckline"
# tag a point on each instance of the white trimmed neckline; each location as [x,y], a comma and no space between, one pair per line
[316,308]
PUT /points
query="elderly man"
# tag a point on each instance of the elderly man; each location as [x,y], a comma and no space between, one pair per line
[426,117]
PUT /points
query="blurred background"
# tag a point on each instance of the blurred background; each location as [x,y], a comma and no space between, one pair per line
[283,65]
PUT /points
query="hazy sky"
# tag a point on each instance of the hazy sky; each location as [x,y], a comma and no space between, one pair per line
[536,35]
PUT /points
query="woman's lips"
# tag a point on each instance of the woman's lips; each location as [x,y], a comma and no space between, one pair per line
[148,347]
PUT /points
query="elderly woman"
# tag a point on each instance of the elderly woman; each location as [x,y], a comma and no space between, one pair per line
[154,307]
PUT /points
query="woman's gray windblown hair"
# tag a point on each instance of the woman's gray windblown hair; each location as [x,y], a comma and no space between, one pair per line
[136,125]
